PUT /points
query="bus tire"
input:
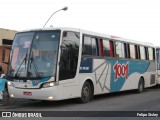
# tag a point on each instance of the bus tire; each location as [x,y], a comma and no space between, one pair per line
[141,85]
[86,93]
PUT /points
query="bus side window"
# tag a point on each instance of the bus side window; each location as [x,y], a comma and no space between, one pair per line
[142,53]
[137,52]
[90,46]
[153,49]
[150,51]
[126,50]
[139,56]
[146,53]
[87,46]
[111,44]
[106,48]
[95,47]
[101,49]
[132,51]
[120,52]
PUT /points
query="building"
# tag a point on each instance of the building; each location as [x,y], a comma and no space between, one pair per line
[6,39]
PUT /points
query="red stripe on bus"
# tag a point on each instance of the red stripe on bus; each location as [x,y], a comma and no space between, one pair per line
[101,48]
[111,49]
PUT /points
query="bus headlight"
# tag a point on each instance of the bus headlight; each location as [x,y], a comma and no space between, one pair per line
[10,83]
[49,84]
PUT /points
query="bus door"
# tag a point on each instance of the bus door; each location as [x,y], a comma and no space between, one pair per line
[68,63]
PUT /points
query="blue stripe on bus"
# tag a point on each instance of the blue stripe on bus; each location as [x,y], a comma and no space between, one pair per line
[36,82]
[86,65]
[133,67]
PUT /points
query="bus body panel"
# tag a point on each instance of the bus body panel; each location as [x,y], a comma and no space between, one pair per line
[112,75]
[38,94]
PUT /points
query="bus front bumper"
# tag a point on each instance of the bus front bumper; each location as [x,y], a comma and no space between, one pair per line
[49,93]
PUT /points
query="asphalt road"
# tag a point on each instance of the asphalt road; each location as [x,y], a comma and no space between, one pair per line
[149,100]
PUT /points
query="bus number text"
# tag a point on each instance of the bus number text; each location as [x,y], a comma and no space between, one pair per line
[121,70]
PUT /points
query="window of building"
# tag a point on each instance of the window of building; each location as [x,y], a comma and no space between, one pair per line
[7,42]
[120,50]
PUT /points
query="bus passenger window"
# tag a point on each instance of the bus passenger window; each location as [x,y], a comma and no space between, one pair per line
[132,51]
[101,52]
[126,50]
[142,53]
[137,52]
[150,51]
[90,46]
[120,50]
[106,48]
[94,47]
[87,46]
[146,53]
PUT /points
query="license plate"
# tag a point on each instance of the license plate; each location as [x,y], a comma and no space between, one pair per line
[27,93]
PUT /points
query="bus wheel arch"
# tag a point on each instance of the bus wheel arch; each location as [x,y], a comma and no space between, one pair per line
[141,85]
[87,91]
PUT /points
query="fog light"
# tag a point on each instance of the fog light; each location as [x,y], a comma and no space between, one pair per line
[11,95]
[10,83]
[50,98]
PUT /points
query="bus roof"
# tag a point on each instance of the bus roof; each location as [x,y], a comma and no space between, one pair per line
[114,38]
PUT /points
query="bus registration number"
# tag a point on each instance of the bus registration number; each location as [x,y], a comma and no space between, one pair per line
[27,93]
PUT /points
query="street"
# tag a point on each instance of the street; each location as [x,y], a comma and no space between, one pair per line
[149,100]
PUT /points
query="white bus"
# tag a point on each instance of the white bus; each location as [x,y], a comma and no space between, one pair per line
[63,63]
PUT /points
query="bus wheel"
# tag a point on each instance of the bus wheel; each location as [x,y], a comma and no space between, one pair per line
[140,86]
[86,93]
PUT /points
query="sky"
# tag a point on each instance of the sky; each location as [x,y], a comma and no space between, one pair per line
[132,19]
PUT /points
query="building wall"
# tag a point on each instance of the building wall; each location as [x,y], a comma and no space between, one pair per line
[7,35]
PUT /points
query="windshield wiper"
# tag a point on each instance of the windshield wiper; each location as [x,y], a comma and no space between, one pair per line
[24,60]
[38,74]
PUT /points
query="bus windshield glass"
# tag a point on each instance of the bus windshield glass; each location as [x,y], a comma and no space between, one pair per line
[34,54]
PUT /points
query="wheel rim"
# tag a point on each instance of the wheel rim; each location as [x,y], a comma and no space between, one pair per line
[85,92]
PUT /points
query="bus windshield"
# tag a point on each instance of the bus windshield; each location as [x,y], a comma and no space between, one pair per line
[34,54]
